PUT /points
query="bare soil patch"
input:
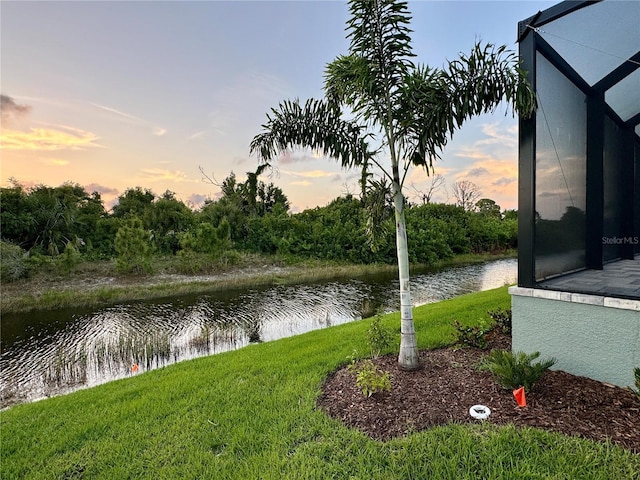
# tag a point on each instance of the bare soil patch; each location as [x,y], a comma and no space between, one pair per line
[448,384]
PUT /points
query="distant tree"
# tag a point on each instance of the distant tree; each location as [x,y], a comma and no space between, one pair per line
[56,212]
[133,248]
[90,213]
[16,218]
[456,221]
[510,215]
[133,203]
[488,207]
[393,106]
[271,198]
[252,197]
[436,183]
[240,201]
[166,218]
[103,239]
[466,193]
[49,218]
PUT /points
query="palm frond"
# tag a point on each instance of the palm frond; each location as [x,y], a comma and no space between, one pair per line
[378,30]
[435,103]
[380,55]
[317,125]
[346,79]
[378,202]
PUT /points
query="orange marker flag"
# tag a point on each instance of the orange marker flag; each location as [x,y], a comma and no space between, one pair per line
[520,397]
[134,368]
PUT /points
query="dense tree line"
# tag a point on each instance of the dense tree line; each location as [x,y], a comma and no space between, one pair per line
[70,224]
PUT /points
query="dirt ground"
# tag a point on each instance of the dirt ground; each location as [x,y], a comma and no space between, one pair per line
[447,385]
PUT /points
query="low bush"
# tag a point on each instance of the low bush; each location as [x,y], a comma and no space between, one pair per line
[474,336]
[515,370]
[370,379]
[13,265]
[379,337]
[70,258]
[501,319]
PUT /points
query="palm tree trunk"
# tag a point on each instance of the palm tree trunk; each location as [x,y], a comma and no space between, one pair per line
[408,357]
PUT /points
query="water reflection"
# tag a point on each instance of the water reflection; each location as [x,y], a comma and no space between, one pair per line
[61,351]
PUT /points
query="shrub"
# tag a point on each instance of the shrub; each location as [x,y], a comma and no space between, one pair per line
[370,379]
[191,262]
[229,258]
[37,262]
[515,370]
[475,336]
[133,248]
[379,337]
[13,265]
[501,319]
[70,258]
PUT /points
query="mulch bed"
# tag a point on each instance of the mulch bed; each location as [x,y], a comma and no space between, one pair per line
[447,385]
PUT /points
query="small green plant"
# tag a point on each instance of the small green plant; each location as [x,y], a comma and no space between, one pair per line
[501,319]
[475,336]
[370,379]
[379,337]
[515,370]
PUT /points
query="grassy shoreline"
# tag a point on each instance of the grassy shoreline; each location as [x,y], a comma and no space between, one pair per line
[36,294]
[251,413]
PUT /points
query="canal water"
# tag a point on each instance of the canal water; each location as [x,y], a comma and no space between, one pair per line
[51,353]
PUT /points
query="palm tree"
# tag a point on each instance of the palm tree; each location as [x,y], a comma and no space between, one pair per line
[381,108]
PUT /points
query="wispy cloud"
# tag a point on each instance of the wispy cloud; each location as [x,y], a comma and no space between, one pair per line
[159,175]
[478,172]
[11,111]
[491,168]
[117,112]
[498,142]
[289,158]
[505,181]
[45,137]
[491,163]
[59,138]
[301,183]
[309,174]
[305,156]
[197,135]
[155,129]
[101,189]
[197,199]
[244,98]
[498,179]
[56,162]
[499,135]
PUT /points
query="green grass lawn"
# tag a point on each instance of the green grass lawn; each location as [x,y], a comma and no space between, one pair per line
[251,414]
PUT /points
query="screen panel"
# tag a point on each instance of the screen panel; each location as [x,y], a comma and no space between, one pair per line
[560,173]
[613,169]
[636,196]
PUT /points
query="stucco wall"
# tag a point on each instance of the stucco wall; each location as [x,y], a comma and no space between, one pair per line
[591,336]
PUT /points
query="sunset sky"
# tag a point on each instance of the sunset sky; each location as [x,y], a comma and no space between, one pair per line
[112,95]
